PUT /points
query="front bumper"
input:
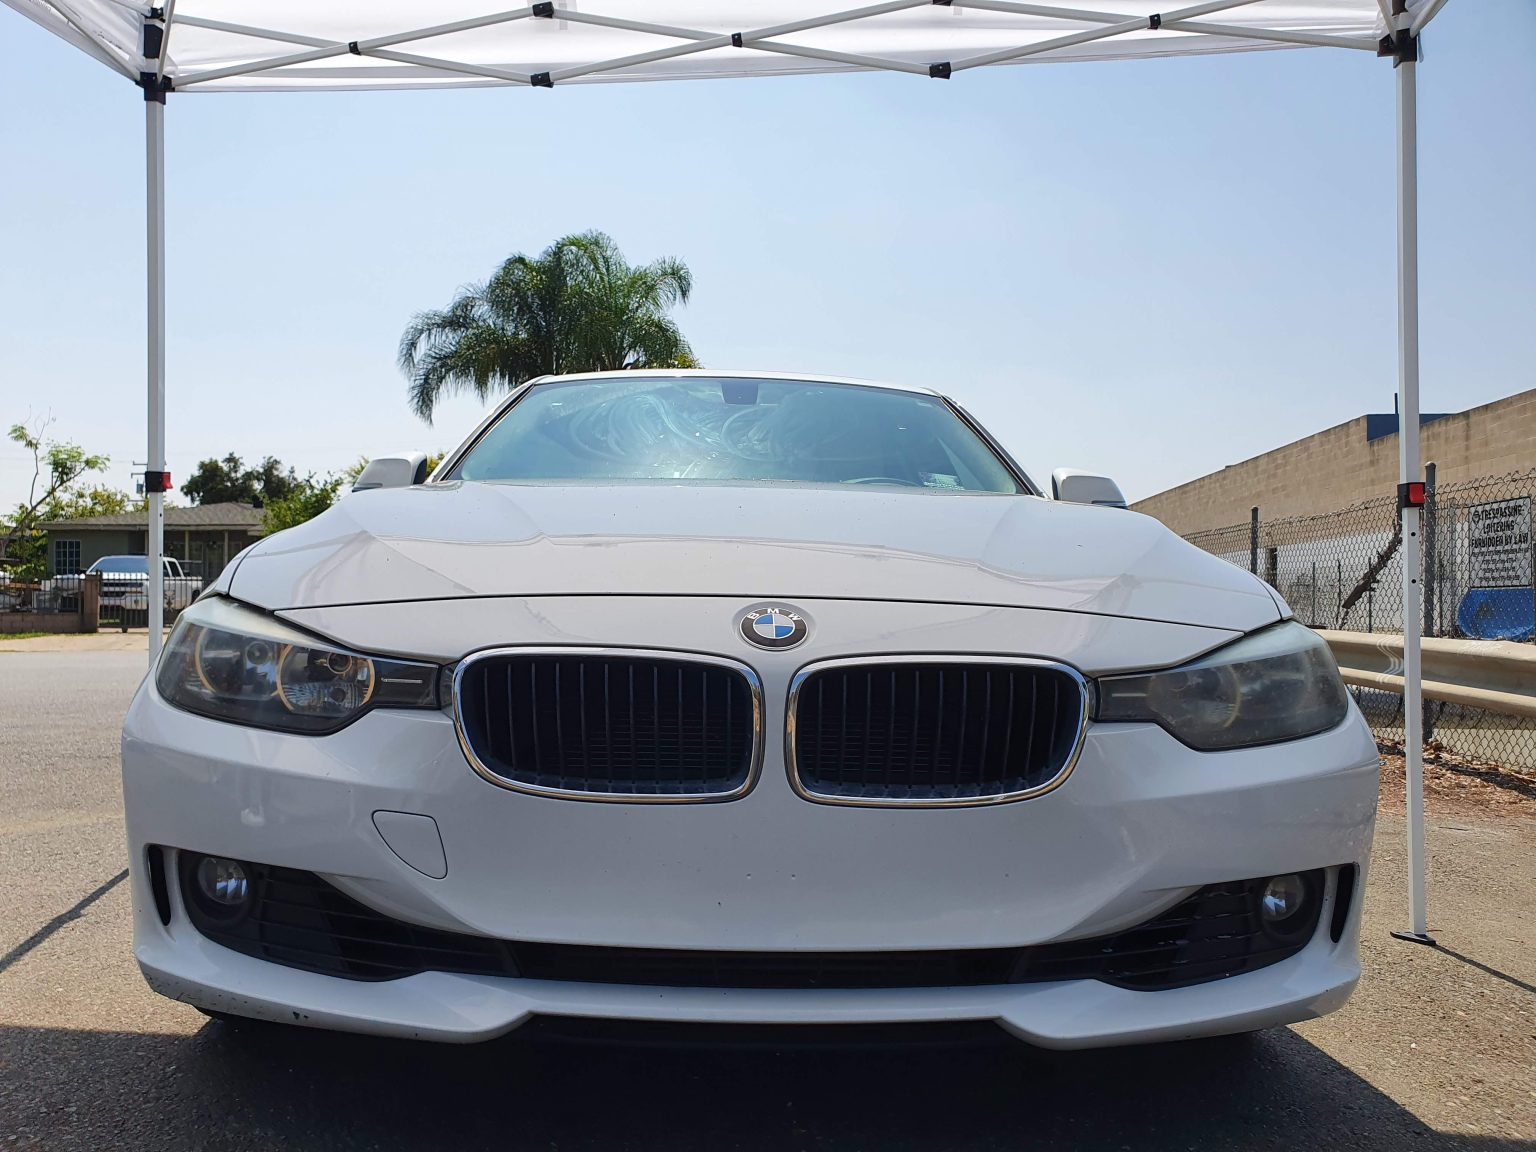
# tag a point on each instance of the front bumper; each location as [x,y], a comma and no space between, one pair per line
[1141,822]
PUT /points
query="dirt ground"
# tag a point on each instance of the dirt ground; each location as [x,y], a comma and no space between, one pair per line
[1453,787]
[1452,1027]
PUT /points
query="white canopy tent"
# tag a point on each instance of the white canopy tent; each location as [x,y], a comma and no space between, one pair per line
[301,45]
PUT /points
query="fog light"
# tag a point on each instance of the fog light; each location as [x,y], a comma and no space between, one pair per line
[223,881]
[1283,898]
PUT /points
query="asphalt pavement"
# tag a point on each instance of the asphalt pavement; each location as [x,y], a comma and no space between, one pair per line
[1436,1051]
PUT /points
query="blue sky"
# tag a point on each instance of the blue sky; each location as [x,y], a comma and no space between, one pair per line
[1152,269]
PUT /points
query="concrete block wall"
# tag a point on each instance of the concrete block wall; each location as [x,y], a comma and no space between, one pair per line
[1339,467]
[17,623]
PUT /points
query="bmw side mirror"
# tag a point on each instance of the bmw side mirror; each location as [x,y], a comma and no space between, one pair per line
[398,471]
[1073,486]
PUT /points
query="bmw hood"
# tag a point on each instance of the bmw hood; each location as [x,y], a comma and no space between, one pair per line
[758,542]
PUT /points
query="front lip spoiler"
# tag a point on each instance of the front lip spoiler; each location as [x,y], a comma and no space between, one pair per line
[466,1010]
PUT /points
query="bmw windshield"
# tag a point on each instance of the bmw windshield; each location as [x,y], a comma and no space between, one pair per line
[698,428]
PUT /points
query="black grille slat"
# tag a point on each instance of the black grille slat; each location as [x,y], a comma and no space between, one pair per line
[939,733]
[299,920]
[558,709]
[965,707]
[579,722]
[1034,711]
[607,781]
[581,711]
[986,715]
[933,730]
[842,731]
[730,717]
[917,705]
[511,748]
[656,720]
[682,746]
[635,734]
[485,709]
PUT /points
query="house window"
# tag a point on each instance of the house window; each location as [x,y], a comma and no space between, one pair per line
[66,557]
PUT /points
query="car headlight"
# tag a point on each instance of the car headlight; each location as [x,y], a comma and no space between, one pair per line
[1277,684]
[233,663]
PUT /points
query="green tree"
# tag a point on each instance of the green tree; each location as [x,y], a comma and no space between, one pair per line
[56,467]
[74,503]
[229,481]
[274,482]
[578,306]
[307,499]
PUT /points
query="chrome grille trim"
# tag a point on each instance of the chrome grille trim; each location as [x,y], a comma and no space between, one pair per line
[486,772]
[808,792]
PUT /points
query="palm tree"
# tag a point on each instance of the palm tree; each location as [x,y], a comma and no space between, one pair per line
[576,307]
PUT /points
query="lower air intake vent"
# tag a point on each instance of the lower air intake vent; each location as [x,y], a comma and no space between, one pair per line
[299,920]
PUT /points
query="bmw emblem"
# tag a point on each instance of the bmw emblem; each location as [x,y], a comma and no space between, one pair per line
[775,627]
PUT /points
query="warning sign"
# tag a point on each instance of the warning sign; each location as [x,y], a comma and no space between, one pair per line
[1501,544]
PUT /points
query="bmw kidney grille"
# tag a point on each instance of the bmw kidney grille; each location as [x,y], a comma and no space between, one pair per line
[610,724]
[933,731]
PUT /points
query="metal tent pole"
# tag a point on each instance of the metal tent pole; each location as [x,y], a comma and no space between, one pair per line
[1411,489]
[155,480]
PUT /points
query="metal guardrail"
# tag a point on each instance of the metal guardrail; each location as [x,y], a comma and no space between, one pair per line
[1492,675]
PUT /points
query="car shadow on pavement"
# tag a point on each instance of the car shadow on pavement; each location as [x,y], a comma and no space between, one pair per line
[267,1086]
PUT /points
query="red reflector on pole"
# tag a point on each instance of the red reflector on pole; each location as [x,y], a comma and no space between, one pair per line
[1411,494]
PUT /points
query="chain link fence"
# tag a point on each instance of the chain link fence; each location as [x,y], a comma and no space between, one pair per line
[1344,570]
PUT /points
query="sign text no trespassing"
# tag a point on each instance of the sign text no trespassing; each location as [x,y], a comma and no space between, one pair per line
[1500,543]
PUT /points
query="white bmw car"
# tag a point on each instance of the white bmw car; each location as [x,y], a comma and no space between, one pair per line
[731,698]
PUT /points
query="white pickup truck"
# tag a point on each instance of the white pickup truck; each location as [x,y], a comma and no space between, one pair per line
[125,582]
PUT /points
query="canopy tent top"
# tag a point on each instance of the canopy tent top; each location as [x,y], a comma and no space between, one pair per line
[298,45]
[318,45]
